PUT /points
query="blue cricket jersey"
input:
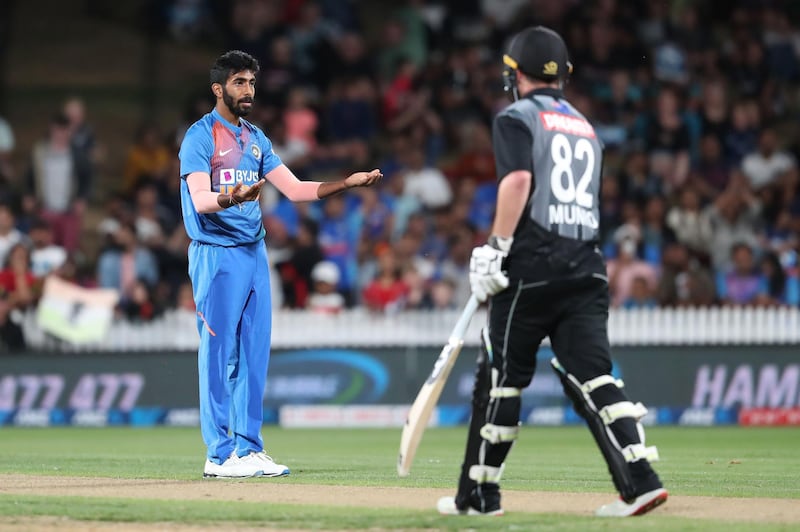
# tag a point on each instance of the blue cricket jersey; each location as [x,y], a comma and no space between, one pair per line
[230,155]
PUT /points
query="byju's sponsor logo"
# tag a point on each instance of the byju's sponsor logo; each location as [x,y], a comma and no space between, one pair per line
[228,177]
[326,376]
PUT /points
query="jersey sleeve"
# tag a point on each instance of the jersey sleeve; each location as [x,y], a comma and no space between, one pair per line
[271,160]
[196,151]
[512,142]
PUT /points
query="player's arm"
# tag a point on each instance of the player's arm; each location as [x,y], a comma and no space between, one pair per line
[207,201]
[296,190]
[512,146]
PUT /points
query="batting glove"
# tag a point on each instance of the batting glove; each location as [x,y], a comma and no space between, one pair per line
[486,278]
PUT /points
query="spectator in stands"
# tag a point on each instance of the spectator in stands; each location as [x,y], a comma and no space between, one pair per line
[81,135]
[140,306]
[59,182]
[636,181]
[279,73]
[386,292]
[312,43]
[627,266]
[771,173]
[300,120]
[148,158]
[684,281]
[352,59]
[710,174]
[376,216]
[152,220]
[426,183]
[714,117]
[455,266]
[126,263]
[781,287]
[742,137]
[743,283]
[17,293]
[642,295]
[10,236]
[339,236]
[668,141]
[656,233]
[476,157]
[615,118]
[611,202]
[688,223]
[46,257]
[324,299]
[296,274]
[253,26]
[441,295]
[351,110]
[734,217]
[409,253]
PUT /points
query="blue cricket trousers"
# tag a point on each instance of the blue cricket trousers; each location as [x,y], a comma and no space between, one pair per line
[234,317]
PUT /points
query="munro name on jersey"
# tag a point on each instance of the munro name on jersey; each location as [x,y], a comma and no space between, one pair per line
[572,214]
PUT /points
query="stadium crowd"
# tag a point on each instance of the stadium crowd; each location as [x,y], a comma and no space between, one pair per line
[696,103]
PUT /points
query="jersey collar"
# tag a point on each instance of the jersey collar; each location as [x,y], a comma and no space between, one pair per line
[235,129]
[545,91]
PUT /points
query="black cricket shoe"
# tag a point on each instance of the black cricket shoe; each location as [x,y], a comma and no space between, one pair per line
[483,500]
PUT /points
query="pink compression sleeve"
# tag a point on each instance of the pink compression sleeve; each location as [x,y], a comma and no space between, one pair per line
[204,200]
[294,189]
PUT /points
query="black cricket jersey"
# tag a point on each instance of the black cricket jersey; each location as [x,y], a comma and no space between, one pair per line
[556,237]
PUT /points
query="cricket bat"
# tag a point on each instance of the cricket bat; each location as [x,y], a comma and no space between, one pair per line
[421,409]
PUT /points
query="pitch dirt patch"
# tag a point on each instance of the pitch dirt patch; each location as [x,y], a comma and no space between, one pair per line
[756,510]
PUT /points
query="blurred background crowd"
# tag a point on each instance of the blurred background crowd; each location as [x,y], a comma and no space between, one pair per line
[695,101]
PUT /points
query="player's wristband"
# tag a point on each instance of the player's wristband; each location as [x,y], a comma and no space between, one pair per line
[500,243]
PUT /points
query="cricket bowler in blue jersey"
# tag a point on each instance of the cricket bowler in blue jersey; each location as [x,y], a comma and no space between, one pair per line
[225,161]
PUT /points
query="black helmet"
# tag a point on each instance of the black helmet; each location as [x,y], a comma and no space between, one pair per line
[537,52]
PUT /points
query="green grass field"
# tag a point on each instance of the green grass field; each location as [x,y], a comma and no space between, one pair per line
[722,462]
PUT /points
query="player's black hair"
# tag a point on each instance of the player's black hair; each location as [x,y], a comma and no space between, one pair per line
[230,63]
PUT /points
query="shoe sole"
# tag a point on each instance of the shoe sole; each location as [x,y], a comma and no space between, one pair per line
[259,474]
[475,513]
[284,473]
[452,510]
[210,475]
[660,499]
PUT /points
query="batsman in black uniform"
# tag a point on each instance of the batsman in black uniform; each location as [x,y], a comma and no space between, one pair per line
[544,276]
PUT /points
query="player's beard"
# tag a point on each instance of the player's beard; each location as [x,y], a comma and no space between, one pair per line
[236,107]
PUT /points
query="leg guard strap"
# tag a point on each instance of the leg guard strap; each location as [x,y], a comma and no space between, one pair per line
[483,473]
[500,393]
[637,451]
[615,411]
[499,433]
[603,380]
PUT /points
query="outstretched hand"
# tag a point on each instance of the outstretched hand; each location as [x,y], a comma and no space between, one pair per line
[363,179]
[242,192]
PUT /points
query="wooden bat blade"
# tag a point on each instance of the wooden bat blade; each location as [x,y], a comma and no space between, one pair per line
[420,412]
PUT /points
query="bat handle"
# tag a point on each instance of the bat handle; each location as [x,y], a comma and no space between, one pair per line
[463,321]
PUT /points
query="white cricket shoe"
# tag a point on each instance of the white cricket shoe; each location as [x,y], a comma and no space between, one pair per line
[447,506]
[266,464]
[643,504]
[233,467]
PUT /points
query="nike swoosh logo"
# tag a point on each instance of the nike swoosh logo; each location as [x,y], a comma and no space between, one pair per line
[224,153]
